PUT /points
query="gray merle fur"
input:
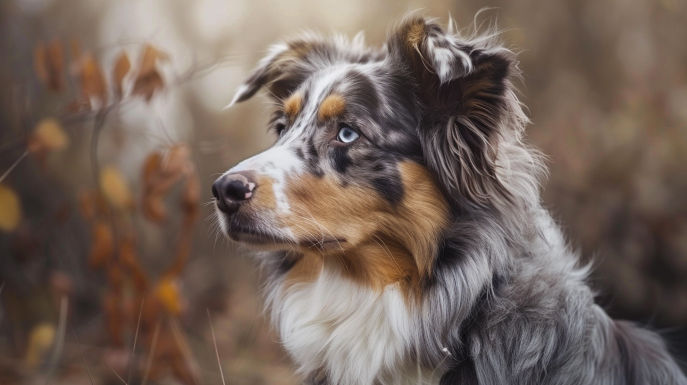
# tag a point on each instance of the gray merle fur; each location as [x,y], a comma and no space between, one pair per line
[507,302]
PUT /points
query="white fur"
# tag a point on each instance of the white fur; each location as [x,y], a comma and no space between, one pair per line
[278,163]
[336,324]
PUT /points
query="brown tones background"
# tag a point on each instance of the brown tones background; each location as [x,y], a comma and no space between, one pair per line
[606,86]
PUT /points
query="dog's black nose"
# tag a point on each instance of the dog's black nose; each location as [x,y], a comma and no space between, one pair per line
[232,190]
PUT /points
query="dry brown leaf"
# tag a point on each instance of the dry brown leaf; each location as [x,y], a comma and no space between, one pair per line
[128,258]
[149,79]
[92,205]
[49,136]
[151,166]
[103,245]
[49,65]
[150,57]
[112,307]
[191,195]
[121,69]
[146,85]
[178,159]
[115,188]
[87,205]
[159,175]
[92,79]
[10,209]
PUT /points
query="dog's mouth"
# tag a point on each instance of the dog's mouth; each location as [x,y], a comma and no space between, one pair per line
[249,235]
[255,237]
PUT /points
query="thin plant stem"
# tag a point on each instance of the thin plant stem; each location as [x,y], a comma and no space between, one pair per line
[16,162]
[82,357]
[214,340]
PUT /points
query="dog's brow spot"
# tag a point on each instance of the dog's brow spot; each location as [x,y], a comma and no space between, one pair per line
[293,105]
[333,105]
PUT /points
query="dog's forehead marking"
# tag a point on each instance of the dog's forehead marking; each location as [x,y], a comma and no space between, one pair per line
[317,90]
[332,106]
[293,105]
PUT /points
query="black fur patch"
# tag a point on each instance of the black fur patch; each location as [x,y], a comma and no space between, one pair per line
[340,159]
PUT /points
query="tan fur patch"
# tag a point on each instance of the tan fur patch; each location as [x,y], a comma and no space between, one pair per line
[264,194]
[333,105]
[375,243]
[416,33]
[293,105]
[306,269]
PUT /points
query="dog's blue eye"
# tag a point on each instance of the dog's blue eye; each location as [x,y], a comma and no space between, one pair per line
[347,135]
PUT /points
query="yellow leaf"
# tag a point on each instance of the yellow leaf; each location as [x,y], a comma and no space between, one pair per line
[10,209]
[41,339]
[115,188]
[48,136]
[167,293]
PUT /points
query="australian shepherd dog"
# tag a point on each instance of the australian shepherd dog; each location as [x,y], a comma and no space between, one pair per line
[400,225]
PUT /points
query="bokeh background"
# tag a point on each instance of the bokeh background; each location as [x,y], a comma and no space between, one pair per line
[605,82]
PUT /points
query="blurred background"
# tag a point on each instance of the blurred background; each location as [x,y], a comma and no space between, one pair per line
[112,129]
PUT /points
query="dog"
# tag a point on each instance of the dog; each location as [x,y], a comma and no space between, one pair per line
[400,225]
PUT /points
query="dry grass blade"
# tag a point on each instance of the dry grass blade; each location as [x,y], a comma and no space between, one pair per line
[82,357]
[133,349]
[153,345]
[185,350]
[59,342]
[214,340]
[16,162]
[115,373]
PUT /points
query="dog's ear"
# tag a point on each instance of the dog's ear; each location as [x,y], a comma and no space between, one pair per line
[465,92]
[281,71]
[288,64]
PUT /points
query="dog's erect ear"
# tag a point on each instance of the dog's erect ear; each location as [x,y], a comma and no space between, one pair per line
[464,87]
[288,64]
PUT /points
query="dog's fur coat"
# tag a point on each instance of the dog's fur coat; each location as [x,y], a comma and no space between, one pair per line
[419,251]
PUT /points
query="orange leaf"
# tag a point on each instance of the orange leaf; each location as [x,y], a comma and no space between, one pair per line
[147,85]
[128,259]
[112,307]
[151,166]
[150,57]
[103,245]
[121,68]
[191,195]
[40,62]
[75,64]
[10,209]
[149,79]
[49,65]
[92,80]
[167,292]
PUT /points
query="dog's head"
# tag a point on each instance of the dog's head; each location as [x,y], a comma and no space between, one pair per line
[376,150]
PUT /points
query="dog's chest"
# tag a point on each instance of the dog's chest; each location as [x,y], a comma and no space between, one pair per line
[358,335]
